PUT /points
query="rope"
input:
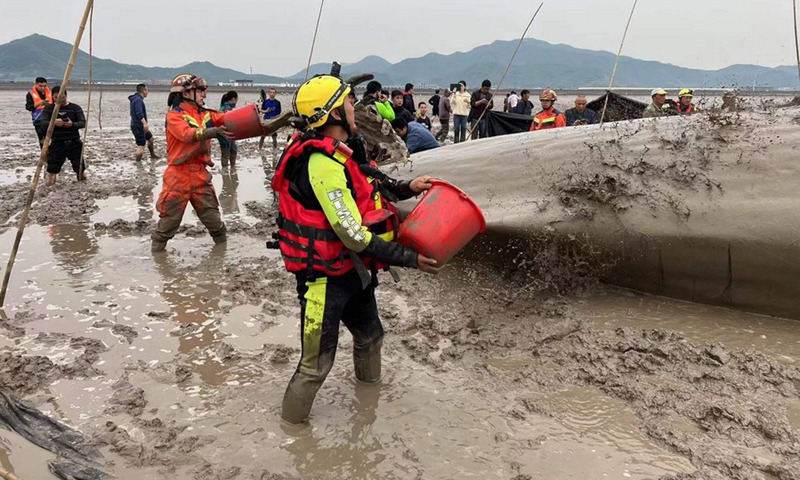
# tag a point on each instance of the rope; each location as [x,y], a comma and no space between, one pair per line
[796,39]
[616,63]
[91,73]
[43,155]
[507,67]
[314,41]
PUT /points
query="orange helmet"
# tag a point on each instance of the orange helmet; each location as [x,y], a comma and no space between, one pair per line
[548,95]
[187,81]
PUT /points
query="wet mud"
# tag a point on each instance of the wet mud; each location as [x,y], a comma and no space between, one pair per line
[174,365]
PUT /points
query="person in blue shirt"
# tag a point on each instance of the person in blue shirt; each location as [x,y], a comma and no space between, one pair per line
[417,137]
[271,108]
[139,126]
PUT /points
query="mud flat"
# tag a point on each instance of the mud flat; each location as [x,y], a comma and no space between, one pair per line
[175,365]
[702,208]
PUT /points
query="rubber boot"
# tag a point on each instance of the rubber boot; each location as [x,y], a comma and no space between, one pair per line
[367,362]
[156,246]
[234,154]
[152,148]
[49,179]
[225,158]
[299,397]
[221,239]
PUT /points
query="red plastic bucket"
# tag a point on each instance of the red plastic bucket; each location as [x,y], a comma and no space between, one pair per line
[442,223]
[244,122]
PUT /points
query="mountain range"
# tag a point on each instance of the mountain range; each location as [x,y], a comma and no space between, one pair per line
[537,64]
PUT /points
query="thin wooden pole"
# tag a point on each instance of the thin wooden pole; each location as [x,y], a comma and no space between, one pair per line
[507,67]
[89,101]
[45,148]
[314,41]
[796,39]
[616,63]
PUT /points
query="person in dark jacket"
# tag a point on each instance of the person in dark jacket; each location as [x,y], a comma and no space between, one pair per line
[66,140]
[139,126]
[480,101]
[35,101]
[524,106]
[398,104]
[422,116]
[580,115]
[228,150]
[408,99]
[416,136]
[434,101]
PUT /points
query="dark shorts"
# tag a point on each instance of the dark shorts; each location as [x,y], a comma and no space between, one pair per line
[61,151]
[141,136]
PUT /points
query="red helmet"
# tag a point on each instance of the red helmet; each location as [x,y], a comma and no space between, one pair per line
[548,95]
[187,81]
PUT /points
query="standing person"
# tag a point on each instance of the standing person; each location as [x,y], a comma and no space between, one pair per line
[580,115]
[480,100]
[505,103]
[415,135]
[139,126]
[524,105]
[190,128]
[434,101]
[659,107]
[408,99]
[66,140]
[398,104]
[422,116]
[513,100]
[461,108]
[549,117]
[334,239]
[228,150]
[373,97]
[685,105]
[39,97]
[271,108]
[445,109]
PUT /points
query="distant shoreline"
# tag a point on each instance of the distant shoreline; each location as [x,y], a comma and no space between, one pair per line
[290,90]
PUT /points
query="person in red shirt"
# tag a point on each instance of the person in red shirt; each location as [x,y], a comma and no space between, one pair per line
[549,117]
[190,128]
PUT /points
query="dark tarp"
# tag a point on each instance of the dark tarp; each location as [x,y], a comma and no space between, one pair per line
[55,437]
[500,123]
[619,107]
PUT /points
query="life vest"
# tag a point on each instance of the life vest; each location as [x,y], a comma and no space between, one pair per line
[546,119]
[689,110]
[37,112]
[305,237]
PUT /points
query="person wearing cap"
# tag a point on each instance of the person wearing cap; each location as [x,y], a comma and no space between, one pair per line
[190,128]
[35,101]
[335,232]
[659,107]
[685,105]
[549,117]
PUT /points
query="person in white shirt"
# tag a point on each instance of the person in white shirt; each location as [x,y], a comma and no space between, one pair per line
[461,104]
[513,99]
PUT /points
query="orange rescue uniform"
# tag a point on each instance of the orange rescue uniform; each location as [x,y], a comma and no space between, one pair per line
[186,178]
[550,118]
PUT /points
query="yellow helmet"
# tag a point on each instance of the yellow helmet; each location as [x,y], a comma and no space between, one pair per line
[317,98]
[686,92]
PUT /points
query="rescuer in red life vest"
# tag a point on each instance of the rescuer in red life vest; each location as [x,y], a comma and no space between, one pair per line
[549,117]
[335,232]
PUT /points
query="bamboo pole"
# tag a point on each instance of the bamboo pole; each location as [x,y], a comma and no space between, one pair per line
[507,67]
[616,63]
[45,148]
[796,39]
[314,41]
[100,110]
[89,101]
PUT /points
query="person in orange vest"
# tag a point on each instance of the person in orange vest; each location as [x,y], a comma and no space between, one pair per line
[549,117]
[335,232]
[685,105]
[35,101]
[190,129]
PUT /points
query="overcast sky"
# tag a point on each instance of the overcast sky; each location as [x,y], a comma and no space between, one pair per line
[274,36]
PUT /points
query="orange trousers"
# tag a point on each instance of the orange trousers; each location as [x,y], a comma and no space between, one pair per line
[183,184]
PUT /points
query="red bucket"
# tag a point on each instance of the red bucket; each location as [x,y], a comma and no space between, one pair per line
[244,122]
[442,223]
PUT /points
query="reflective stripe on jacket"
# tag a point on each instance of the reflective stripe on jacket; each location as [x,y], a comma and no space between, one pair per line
[551,118]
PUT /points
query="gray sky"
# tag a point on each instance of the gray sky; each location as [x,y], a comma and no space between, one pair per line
[274,36]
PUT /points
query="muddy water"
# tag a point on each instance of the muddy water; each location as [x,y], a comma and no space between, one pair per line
[194,349]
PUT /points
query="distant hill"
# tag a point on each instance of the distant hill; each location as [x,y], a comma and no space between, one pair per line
[36,55]
[538,64]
